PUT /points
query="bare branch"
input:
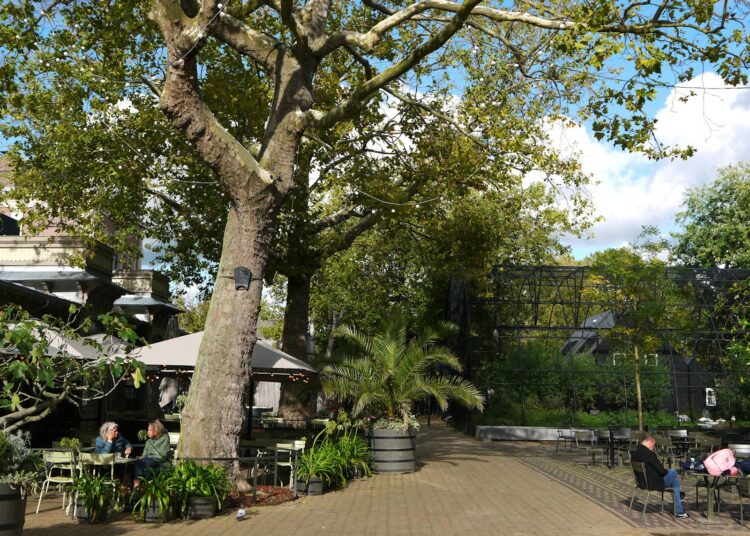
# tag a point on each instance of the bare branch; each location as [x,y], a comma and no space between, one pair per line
[367,41]
[350,107]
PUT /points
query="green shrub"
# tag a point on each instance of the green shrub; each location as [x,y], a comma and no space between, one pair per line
[96,494]
[188,479]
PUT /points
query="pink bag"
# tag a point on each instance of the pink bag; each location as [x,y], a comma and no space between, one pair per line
[720,461]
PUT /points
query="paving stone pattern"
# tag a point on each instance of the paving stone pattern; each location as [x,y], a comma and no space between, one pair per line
[463,487]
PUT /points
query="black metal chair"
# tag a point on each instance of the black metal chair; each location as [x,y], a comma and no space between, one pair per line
[641,483]
[566,436]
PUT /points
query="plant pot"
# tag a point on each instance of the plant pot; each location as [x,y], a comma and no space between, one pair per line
[393,451]
[315,486]
[152,514]
[84,516]
[12,511]
[201,507]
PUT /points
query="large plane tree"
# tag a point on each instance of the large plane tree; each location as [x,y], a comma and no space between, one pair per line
[604,60]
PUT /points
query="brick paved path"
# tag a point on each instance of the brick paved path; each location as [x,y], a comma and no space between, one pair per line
[463,487]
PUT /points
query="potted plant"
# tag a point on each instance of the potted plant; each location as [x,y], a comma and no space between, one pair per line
[199,489]
[96,495]
[155,498]
[20,475]
[355,453]
[385,376]
[179,403]
[322,465]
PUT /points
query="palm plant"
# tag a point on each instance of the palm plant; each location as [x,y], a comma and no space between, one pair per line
[390,371]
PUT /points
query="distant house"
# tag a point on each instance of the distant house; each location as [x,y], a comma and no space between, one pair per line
[687,378]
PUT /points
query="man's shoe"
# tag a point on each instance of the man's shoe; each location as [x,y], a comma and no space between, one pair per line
[683,515]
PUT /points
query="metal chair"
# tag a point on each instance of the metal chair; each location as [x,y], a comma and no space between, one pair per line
[286,456]
[743,490]
[641,483]
[566,436]
[61,469]
[90,460]
[586,440]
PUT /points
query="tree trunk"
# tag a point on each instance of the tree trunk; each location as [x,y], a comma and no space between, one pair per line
[215,411]
[296,316]
[639,398]
[295,399]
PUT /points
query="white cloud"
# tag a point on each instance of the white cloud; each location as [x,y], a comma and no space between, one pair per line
[633,191]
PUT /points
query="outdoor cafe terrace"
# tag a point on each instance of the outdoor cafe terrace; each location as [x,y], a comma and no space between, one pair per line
[465,486]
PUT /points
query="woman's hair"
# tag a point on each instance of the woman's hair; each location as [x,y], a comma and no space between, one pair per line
[158,427]
[106,428]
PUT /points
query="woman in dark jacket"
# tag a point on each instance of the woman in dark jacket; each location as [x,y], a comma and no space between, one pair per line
[110,441]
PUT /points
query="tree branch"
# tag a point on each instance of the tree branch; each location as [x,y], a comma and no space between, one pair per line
[367,41]
[351,106]
[261,47]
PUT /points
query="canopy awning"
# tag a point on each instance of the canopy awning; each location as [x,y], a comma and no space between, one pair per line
[182,352]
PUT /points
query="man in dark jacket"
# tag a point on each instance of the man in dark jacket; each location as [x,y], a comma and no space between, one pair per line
[658,477]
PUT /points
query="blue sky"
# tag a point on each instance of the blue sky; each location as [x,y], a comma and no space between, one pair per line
[633,191]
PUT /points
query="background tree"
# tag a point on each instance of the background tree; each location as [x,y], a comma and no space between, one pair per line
[40,370]
[280,47]
[631,282]
[715,230]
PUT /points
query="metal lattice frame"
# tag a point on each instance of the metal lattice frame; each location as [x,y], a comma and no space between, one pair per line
[550,303]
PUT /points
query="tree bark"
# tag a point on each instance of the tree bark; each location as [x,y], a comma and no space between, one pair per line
[296,398]
[215,411]
[296,316]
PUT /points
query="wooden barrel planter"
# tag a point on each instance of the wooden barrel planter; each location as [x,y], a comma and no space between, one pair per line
[393,451]
[12,511]
[201,507]
[315,486]
[152,514]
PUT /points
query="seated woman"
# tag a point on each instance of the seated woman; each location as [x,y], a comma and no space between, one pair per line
[155,452]
[111,441]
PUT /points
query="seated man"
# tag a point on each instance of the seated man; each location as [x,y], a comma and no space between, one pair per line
[658,477]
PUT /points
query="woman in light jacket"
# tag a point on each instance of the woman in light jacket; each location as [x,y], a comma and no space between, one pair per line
[155,452]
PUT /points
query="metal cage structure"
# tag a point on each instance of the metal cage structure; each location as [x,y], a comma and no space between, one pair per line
[557,307]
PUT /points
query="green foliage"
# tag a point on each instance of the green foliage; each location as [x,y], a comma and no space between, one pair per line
[323,461]
[534,379]
[39,370]
[715,220]
[465,232]
[560,417]
[71,443]
[96,494]
[193,318]
[342,453]
[733,388]
[158,492]
[189,479]
[390,371]
[631,282]
[19,465]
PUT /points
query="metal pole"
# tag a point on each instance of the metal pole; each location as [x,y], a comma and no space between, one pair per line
[255,477]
